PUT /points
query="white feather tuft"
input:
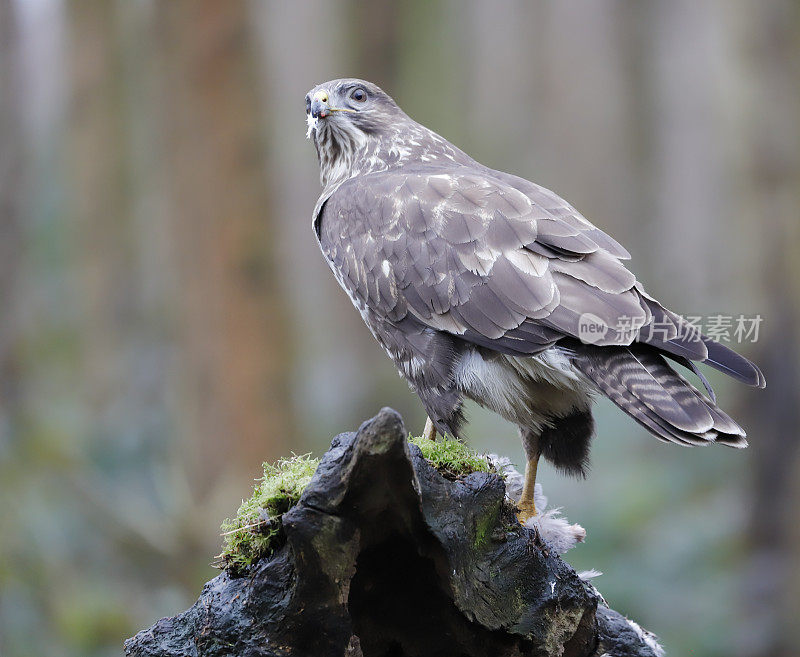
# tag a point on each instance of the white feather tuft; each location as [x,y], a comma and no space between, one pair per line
[311,122]
[556,530]
[553,528]
[648,638]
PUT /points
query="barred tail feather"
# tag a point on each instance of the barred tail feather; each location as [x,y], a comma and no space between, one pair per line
[640,381]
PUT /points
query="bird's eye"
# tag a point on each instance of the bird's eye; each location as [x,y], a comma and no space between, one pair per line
[358,95]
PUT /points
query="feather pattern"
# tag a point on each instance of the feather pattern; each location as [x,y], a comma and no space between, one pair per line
[642,384]
[462,273]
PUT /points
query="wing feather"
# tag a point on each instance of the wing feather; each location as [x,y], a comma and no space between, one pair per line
[476,249]
[503,263]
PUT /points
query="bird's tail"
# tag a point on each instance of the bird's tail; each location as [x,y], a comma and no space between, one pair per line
[685,344]
[639,380]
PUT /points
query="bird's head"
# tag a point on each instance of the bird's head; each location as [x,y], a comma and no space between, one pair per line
[349,105]
[344,118]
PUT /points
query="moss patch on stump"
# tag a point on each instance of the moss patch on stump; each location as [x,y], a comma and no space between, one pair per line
[256,530]
[451,457]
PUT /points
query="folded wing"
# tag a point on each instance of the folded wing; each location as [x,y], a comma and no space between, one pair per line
[500,262]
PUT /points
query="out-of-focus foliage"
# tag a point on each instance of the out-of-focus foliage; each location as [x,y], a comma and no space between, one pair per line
[167,322]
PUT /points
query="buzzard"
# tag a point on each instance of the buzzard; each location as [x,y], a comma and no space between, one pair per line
[482,285]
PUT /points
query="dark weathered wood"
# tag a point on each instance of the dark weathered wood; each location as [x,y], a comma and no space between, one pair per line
[385,556]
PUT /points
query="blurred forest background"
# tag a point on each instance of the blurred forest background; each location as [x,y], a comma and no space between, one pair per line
[167,322]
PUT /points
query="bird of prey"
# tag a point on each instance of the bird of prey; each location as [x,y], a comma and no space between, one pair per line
[482,285]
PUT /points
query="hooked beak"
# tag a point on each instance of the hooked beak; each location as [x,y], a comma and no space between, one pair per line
[319,105]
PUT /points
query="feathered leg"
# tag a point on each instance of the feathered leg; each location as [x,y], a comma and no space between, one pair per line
[444,412]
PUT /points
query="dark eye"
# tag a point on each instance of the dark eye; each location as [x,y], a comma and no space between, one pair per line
[358,95]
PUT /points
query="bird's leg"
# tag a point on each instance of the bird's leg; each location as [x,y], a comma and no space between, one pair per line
[430,431]
[526,505]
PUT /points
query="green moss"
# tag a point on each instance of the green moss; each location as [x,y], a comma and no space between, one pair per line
[256,530]
[484,525]
[451,457]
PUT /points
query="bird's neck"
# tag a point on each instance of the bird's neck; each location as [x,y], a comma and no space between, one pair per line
[341,153]
[345,153]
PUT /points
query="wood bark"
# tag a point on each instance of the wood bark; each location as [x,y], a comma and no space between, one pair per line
[383,555]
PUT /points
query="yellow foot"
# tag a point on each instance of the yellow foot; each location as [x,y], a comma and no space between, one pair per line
[430,431]
[526,507]
[525,512]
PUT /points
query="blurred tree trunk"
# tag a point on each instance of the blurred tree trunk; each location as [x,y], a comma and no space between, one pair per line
[302,44]
[12,188]
[98,206]
[773,574]
[234,345]
[687,147]
[376,37]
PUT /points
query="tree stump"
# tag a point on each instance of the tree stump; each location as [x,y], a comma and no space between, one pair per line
[384,556]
